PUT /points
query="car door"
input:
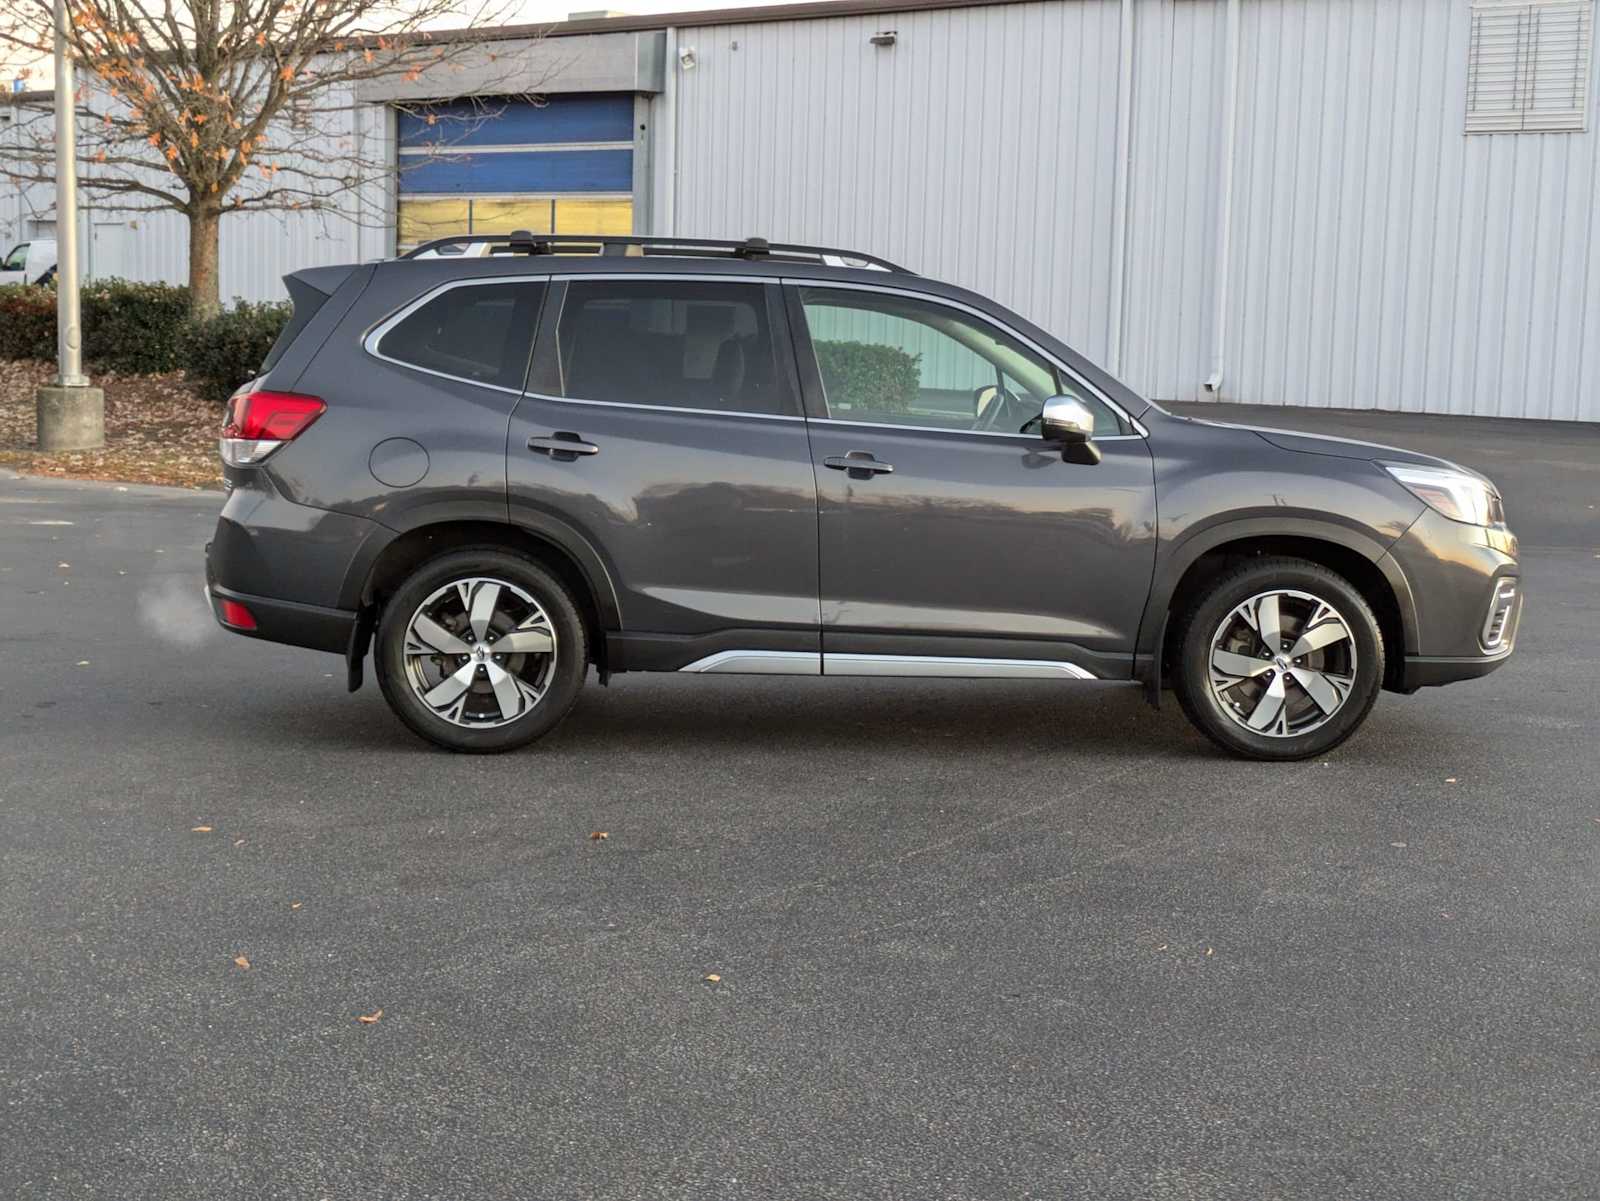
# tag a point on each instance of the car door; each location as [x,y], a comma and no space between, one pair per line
[953,539]
[662,424]
[13,268]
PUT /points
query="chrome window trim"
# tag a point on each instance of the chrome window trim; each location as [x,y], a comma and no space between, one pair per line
[629,404]
[946,302]
[934,429]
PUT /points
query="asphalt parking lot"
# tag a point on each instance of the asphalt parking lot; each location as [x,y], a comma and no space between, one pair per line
[973,939]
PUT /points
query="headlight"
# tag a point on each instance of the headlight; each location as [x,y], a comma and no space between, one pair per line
[1459,496]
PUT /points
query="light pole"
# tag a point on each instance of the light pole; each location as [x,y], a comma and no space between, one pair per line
[71,414]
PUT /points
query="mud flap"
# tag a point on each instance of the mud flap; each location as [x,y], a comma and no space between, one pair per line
[356,653]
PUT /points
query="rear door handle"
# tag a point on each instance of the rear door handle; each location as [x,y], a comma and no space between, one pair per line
[563,446]
[859,463]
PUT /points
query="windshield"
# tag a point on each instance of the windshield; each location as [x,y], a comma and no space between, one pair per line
[17,259]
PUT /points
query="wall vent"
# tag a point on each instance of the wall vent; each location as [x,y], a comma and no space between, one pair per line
[1528,66]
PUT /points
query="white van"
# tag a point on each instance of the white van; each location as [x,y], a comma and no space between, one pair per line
[29,262]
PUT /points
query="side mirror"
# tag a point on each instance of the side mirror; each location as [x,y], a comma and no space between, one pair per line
[1067,420]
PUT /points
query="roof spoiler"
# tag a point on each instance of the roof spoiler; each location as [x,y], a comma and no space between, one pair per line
[325,280]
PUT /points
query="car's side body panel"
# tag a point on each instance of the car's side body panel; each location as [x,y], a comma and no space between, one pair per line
[992,540]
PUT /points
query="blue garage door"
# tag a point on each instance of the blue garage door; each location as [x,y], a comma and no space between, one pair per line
[559,165]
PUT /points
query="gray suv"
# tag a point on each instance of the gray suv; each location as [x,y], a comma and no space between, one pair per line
[498,470]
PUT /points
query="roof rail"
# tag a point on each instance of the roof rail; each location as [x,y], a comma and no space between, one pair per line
[522,242]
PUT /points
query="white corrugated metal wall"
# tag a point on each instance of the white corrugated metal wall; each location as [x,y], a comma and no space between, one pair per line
[1380,257]
[807,132]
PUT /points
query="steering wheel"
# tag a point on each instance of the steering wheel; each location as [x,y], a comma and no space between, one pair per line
[1000,402]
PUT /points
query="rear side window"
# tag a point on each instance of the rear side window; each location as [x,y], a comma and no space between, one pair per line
[477,332]
[680,344]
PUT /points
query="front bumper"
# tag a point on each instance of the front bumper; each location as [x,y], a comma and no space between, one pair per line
[1466,587]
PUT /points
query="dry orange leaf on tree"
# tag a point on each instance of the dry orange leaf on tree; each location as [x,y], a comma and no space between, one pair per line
[241,961]
[366,1019]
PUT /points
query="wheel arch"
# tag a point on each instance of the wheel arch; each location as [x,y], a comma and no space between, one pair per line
[1359,559]
[569,558]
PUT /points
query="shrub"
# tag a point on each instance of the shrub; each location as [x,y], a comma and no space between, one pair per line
[127,327]
[27,322]
[132,328]
[222,352]
[876,379]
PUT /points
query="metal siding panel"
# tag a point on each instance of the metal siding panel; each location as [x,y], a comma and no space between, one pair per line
[977,149]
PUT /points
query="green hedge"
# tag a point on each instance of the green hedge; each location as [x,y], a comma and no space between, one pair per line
[127,327]
[227,350]
[141,329]
[868,378]
[27,322]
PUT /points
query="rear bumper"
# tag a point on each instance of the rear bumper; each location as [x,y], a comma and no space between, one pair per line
[284,621]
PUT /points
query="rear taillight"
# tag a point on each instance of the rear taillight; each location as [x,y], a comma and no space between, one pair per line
[260,422]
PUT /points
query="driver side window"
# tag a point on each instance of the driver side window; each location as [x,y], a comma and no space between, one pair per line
[896,360]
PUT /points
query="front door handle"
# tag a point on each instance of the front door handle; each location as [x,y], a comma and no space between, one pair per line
[563,446]
[859,463]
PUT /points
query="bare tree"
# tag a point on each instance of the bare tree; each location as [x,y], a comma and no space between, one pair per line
[211,107]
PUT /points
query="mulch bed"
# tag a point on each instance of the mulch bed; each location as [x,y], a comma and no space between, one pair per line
[157,430]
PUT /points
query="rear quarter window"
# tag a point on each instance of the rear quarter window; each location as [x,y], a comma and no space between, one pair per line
[477,332]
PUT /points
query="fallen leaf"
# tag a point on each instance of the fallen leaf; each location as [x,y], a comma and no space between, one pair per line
[1449,779]
[1210,951]
[294,904]
[366,1019]
[199,829]
[83,663]
[599,836]
[63,564]
[1162,947]
[713,978]
[1397,844]
[241,961]
[1444,915]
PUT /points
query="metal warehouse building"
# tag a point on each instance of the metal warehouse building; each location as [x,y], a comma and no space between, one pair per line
[1345,203]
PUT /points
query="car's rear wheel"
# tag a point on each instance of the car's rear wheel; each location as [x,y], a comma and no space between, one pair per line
[1279,659]
[481,650]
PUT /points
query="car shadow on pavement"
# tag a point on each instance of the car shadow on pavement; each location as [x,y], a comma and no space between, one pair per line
[667,715]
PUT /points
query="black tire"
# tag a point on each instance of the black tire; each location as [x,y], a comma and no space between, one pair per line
[1204,620]
[564,678]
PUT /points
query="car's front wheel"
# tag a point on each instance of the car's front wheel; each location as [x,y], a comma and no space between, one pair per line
[1279,659]
[481,650]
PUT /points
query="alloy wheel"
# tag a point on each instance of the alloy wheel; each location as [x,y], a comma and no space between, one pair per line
[1282,663]
[480,652]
